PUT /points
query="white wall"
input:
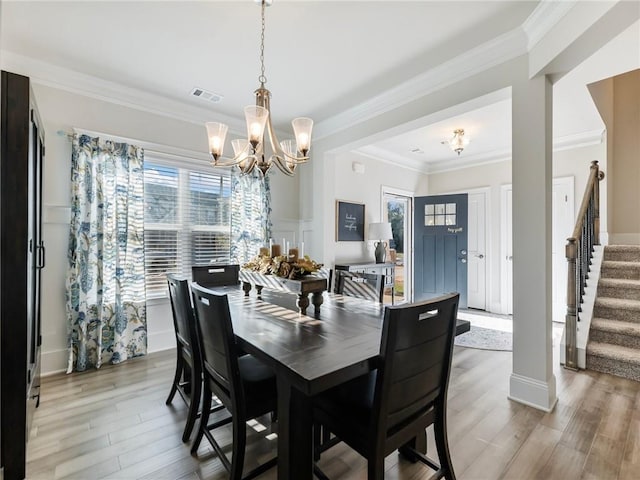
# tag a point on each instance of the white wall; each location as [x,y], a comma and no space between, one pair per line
[573,162]
[62,110]
[625,194]
[366,188]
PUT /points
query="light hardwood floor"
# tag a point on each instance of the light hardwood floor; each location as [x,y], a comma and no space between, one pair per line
[113,423]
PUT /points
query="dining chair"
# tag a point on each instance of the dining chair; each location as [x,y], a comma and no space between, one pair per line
[388,408]
[216,275]
[369,286]
[187,380]
[243,384]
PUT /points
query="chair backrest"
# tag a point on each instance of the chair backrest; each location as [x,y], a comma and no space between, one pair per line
[218,346]
[184,321]
[325,273]
[415,351]
[216,275]
[369,286]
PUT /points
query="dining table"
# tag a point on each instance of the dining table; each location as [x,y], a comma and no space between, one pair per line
[309,355]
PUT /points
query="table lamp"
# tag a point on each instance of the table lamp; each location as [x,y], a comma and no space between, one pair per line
[382,233]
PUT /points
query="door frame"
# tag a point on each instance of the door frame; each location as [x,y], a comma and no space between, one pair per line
[408,257]
[486,191]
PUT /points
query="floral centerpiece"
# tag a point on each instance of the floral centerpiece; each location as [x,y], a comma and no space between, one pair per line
[286,266]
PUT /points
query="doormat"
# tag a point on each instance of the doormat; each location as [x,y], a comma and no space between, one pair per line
[485,339]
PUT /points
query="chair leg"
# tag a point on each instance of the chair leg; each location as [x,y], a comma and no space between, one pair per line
[176,378]
[375,467]
[317,441]
[442,443]
[204,419]
[239,445]
[194,404]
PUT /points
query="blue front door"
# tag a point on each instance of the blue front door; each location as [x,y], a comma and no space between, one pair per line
[440,246]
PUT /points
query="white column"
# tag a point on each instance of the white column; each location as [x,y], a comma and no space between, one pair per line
[532,381]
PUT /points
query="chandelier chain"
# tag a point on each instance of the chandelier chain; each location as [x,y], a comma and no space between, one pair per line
[262,79]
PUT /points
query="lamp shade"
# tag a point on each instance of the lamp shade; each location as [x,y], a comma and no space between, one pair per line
[380,231]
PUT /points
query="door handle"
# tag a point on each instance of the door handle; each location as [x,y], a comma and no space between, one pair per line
[480,255]
[41,255]
[463,260]
[509,257]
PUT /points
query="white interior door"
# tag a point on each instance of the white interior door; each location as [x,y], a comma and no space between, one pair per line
[476,242]
[562,226]
[563,221]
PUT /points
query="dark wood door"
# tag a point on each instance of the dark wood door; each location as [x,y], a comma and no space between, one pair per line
[440,246]
[21,261]
[36,262]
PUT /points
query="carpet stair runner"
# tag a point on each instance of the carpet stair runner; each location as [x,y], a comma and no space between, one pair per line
[614,338]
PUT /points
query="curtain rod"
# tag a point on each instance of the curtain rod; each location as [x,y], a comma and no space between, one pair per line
[149,147]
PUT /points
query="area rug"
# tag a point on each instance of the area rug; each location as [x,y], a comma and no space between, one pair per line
[485,339]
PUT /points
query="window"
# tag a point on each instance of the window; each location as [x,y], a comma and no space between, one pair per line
[187,221]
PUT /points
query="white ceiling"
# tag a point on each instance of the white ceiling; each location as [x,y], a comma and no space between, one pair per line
[322,57]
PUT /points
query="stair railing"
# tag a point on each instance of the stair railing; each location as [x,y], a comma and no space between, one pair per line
[579,252]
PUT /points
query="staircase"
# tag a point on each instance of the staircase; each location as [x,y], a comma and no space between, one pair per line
[614,338]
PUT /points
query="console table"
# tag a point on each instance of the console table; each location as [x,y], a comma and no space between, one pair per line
[386,269]
[307,285]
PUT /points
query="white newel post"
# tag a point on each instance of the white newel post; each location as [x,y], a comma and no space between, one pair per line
[532,381]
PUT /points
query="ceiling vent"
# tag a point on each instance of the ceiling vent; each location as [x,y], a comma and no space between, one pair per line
[206,95]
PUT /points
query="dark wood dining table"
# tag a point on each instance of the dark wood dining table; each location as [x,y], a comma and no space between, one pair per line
[309,356]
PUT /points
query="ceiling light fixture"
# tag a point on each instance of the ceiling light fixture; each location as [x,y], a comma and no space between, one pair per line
[458,141]
[252,152]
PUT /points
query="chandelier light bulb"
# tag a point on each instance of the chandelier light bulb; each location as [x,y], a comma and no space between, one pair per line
[216,132]
[256,117]
[302,127]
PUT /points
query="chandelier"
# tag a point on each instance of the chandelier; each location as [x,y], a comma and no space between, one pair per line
[458,141]
[254,151]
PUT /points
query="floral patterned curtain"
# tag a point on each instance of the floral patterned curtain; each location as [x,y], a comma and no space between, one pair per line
[106,305]
[250,215]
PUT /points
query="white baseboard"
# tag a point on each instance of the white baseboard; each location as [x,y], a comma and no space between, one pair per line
[624,239]
[532,392]
[54,361]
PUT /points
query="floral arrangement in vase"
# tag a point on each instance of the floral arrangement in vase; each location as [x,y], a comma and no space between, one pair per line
[286,266]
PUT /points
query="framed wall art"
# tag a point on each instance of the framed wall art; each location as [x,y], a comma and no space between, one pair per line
[349,221]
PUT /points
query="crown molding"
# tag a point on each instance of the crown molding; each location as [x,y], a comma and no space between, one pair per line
[384,156]
[438,166]
[544,17]
[462,162]
[49,75]
[567,142]
[577,140]
[496,51]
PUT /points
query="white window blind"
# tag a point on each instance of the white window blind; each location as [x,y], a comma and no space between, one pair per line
[187,221]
